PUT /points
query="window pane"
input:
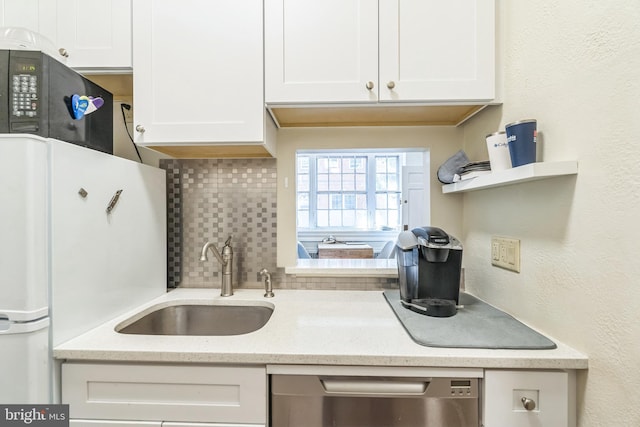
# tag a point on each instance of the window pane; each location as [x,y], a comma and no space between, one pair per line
[303,201]
[349,201]
[336,201]
[303,164]
[335,218]
[335,182]
[361,165]
[392,183]
[393,219]
[349,218]
[381,164]
[303,219]
[303,182]
[381,218]
[334,165]
[323,182]
[349,182]
[322,218]
[361,219]
[361,201]
[381,182]
[381,201]
[322,165]
[361,182]
[394,201]
[392,164]
[323,201]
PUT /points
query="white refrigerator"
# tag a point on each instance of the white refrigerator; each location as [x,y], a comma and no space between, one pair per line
[82,239]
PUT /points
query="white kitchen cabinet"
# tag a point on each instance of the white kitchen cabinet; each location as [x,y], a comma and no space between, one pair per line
[198,77]
[176,395]
[515,398]
[93,35]
[365,51]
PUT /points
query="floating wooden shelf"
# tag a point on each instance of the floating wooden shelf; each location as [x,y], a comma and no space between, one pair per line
[530,172]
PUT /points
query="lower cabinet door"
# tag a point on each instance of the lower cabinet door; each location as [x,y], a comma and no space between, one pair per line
[515,398]
[220,395]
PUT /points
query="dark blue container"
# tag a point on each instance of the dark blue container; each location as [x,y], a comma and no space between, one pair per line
[521,137]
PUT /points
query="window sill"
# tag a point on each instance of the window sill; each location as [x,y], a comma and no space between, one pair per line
[344,268]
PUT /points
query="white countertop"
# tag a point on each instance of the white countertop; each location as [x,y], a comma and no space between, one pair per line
[337,267]
[307,327]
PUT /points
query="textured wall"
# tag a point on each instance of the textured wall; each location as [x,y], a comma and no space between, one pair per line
[575,66]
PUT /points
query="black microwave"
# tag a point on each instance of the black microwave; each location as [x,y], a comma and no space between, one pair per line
[41,96]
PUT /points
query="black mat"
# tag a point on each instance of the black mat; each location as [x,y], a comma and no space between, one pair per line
[476,325]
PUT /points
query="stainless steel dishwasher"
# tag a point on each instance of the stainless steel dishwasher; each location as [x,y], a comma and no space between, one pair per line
[357,401]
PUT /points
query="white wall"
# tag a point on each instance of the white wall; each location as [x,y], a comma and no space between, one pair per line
[574,66]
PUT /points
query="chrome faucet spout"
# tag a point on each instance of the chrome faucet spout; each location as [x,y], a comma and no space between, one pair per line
[206,247]
[226,259]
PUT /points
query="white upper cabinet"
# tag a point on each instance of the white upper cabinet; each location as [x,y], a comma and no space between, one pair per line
[364,51]
[434,50]
[198,73]
[91,34]
[321,50]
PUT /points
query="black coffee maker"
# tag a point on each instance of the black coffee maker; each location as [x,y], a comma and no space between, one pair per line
[429,267]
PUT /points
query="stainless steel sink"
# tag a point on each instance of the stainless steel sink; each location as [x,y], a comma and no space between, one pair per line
[198,319]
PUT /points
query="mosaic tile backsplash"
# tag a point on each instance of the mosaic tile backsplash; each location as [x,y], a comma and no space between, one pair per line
[212,199]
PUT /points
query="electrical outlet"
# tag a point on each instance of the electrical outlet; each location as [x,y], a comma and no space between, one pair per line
[505,253]
[128,114]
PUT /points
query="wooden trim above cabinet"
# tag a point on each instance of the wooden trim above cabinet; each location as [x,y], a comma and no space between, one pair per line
[212,151]
[405,115]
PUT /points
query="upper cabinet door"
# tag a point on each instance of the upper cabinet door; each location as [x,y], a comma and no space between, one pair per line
[95,34]
[198,71]
[321,51]
[433,50]
[90,34]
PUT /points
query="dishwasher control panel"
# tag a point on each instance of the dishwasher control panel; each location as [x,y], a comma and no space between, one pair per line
[461,388]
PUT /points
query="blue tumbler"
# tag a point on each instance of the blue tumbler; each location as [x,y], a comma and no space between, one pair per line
[521,137]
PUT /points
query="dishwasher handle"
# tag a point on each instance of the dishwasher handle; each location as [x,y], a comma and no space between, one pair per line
[367,387]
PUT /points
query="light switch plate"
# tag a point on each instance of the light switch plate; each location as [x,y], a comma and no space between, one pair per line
[505,253]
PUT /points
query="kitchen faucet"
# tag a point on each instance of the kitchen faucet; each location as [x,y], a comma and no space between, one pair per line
[226,259]
[267,283]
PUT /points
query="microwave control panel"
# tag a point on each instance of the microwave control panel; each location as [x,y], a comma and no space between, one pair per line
[24,93]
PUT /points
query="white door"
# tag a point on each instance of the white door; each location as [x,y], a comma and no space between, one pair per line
[432,50]
[321,51]
[415,198]
[198,71]
[95,34]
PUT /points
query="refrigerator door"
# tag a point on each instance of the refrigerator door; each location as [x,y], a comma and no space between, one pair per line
[23,227]
[24,362]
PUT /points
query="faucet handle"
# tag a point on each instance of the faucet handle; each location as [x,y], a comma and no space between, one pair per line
[228,241]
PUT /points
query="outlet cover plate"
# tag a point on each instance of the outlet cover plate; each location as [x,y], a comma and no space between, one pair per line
[505,253]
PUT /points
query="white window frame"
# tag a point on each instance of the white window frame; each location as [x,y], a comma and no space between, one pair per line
[371,192]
